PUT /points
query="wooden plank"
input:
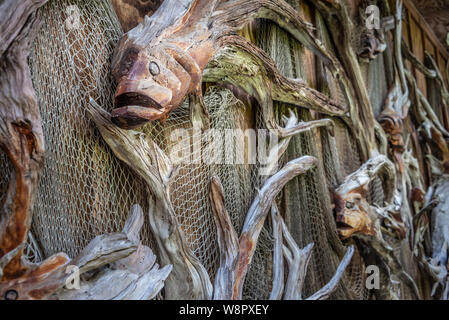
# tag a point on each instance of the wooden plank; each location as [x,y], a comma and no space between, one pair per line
[426,28]
[309,56]
[442,66]
[407,39]
[429,46]
[418,51]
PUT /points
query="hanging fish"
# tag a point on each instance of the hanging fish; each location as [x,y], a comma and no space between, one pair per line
[161,61]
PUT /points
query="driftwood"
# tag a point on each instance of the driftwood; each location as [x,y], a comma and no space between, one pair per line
[234,266]
[228,243]
[439,263]
[160,62]
[165,59]
[22,140]
[355,215]
[132,12]
[117,259]
[278,261]
[298,260]
[189,278]
[236,254]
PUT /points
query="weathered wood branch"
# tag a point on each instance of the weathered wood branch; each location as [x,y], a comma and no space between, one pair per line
[298,261]
[177,54]
[385,252]
[342,30]
[132,12]
[416,63]
[439,263]
[189,278]
[236,255]
[233,15]
[366,173]
[245,66]
[326,291]
[278,261]
[257,213]
[115,267]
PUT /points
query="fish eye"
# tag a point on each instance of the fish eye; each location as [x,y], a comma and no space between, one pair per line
[154,68]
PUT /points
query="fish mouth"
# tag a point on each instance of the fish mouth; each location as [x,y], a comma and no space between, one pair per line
[134,109]
[136,99]
[130,117]
[343,226]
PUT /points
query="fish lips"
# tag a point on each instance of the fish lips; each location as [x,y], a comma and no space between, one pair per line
[130,117]
[136,106]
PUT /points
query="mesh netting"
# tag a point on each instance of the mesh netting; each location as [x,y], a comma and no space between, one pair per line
[306,204]
[85,191]
[349,159]
[189,188]
[5,171]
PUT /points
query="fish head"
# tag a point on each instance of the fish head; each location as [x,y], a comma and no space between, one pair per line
[146,85]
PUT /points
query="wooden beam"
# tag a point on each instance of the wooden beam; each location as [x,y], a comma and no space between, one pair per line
[426,28]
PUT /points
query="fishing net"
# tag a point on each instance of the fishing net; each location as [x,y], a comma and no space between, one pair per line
[305,202]
[196,164]
[85,191]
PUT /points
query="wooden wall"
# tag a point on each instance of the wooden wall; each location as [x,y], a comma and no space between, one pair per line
[420,38]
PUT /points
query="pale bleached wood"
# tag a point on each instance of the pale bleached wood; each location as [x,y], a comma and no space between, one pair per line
[117,267]
[278,261]
[366,173]
[440,235]
[189,278]
[343,29]
[197,32]
[257,213]
[326,291]
[297,261]
[228,243]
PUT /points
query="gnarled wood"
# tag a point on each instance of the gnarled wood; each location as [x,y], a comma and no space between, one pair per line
[22,140]
[189,278]
[257,213]
[116,267]
[158,65]
[228,243]
[236,256]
